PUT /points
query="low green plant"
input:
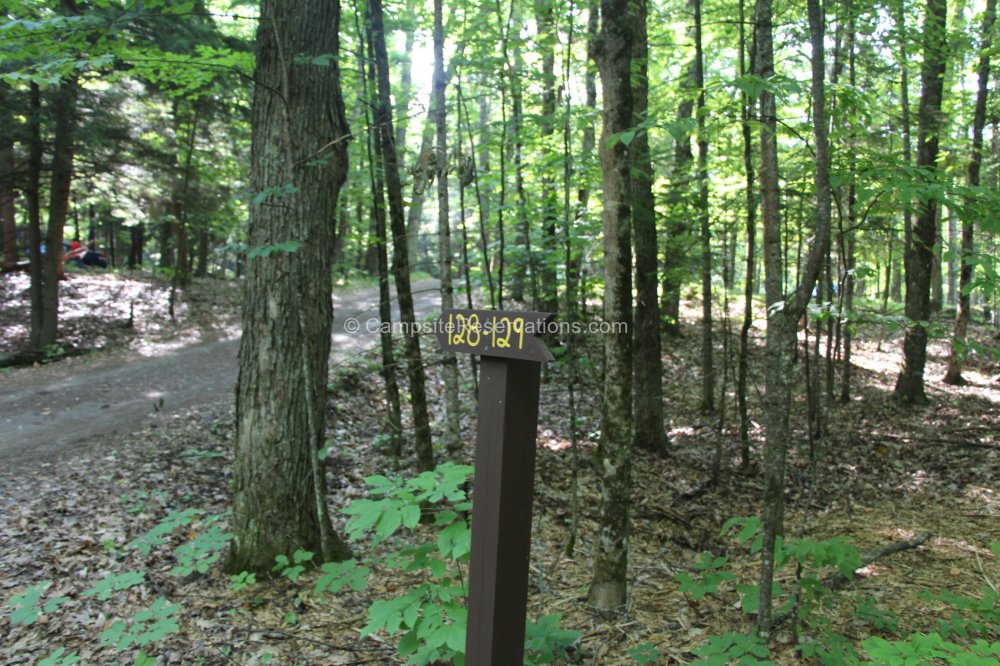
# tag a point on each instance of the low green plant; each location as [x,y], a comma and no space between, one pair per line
[644,654]
[144,628]
[732,648]
[28,606]
[204,550]
[104,588]
[930,648]
[242,580]
[708,577]
[60,658]
[429,619]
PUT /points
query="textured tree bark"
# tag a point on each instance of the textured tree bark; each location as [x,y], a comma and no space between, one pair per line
[910,383]
[548,282]
[64,118]
[707,343]
[678,229]
[33,196]
[956,358]
[299,155]
[452,431]
[8,222]
[648,395]
[784,310]
[400,263]
[613,54]
[742,370]
[393,421]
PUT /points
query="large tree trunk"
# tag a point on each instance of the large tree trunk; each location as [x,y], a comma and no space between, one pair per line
[955,359]
[910,383]
[400,263]
[613,53]
[299,137]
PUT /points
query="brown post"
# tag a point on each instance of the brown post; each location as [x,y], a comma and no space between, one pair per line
[512,352]
[501,534]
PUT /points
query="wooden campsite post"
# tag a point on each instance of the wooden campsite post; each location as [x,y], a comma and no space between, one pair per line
[512,353]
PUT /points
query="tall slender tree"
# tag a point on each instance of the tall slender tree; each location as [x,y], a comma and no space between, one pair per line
[953,375]
[648,395]
[920,252]
[400,256]
[785,309]
[613,53]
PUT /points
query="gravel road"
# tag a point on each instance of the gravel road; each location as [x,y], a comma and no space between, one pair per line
[52,410]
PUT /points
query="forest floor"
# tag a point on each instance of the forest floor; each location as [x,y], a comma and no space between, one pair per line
[882,473]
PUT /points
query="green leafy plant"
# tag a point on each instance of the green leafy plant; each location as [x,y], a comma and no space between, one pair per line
[708,577]
[28,605]
[731,648]
[644,654]
[242,580]
[292,569]
[60,658]
[930,648]
[429,619]
[158,534]
[144,628]
[103,589]
[201,552]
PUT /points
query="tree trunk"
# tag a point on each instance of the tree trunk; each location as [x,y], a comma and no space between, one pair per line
[785,312]
[613,53]
[678,227]
[393,417]
[33,194]
[910,383]
[400,257]
[956,358]
[707,362]
[64,116]
[452,430]
[545,276]
[8,221]
[299,136]
[746,111]
[648,394]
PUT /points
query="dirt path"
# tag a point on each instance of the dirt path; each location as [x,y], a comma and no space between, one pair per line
[55,409]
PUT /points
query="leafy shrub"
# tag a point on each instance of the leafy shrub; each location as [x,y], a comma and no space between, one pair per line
[429,620]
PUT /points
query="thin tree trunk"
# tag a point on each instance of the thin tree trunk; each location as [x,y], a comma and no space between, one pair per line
[910,383]
[8,220]
[784,313]
[613,53]
[452,436]
[401,269]
[742,370]
[33,194]
[707,342]
[956,358]
[63,143]
[678,227]
[393,416]
[648,393]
